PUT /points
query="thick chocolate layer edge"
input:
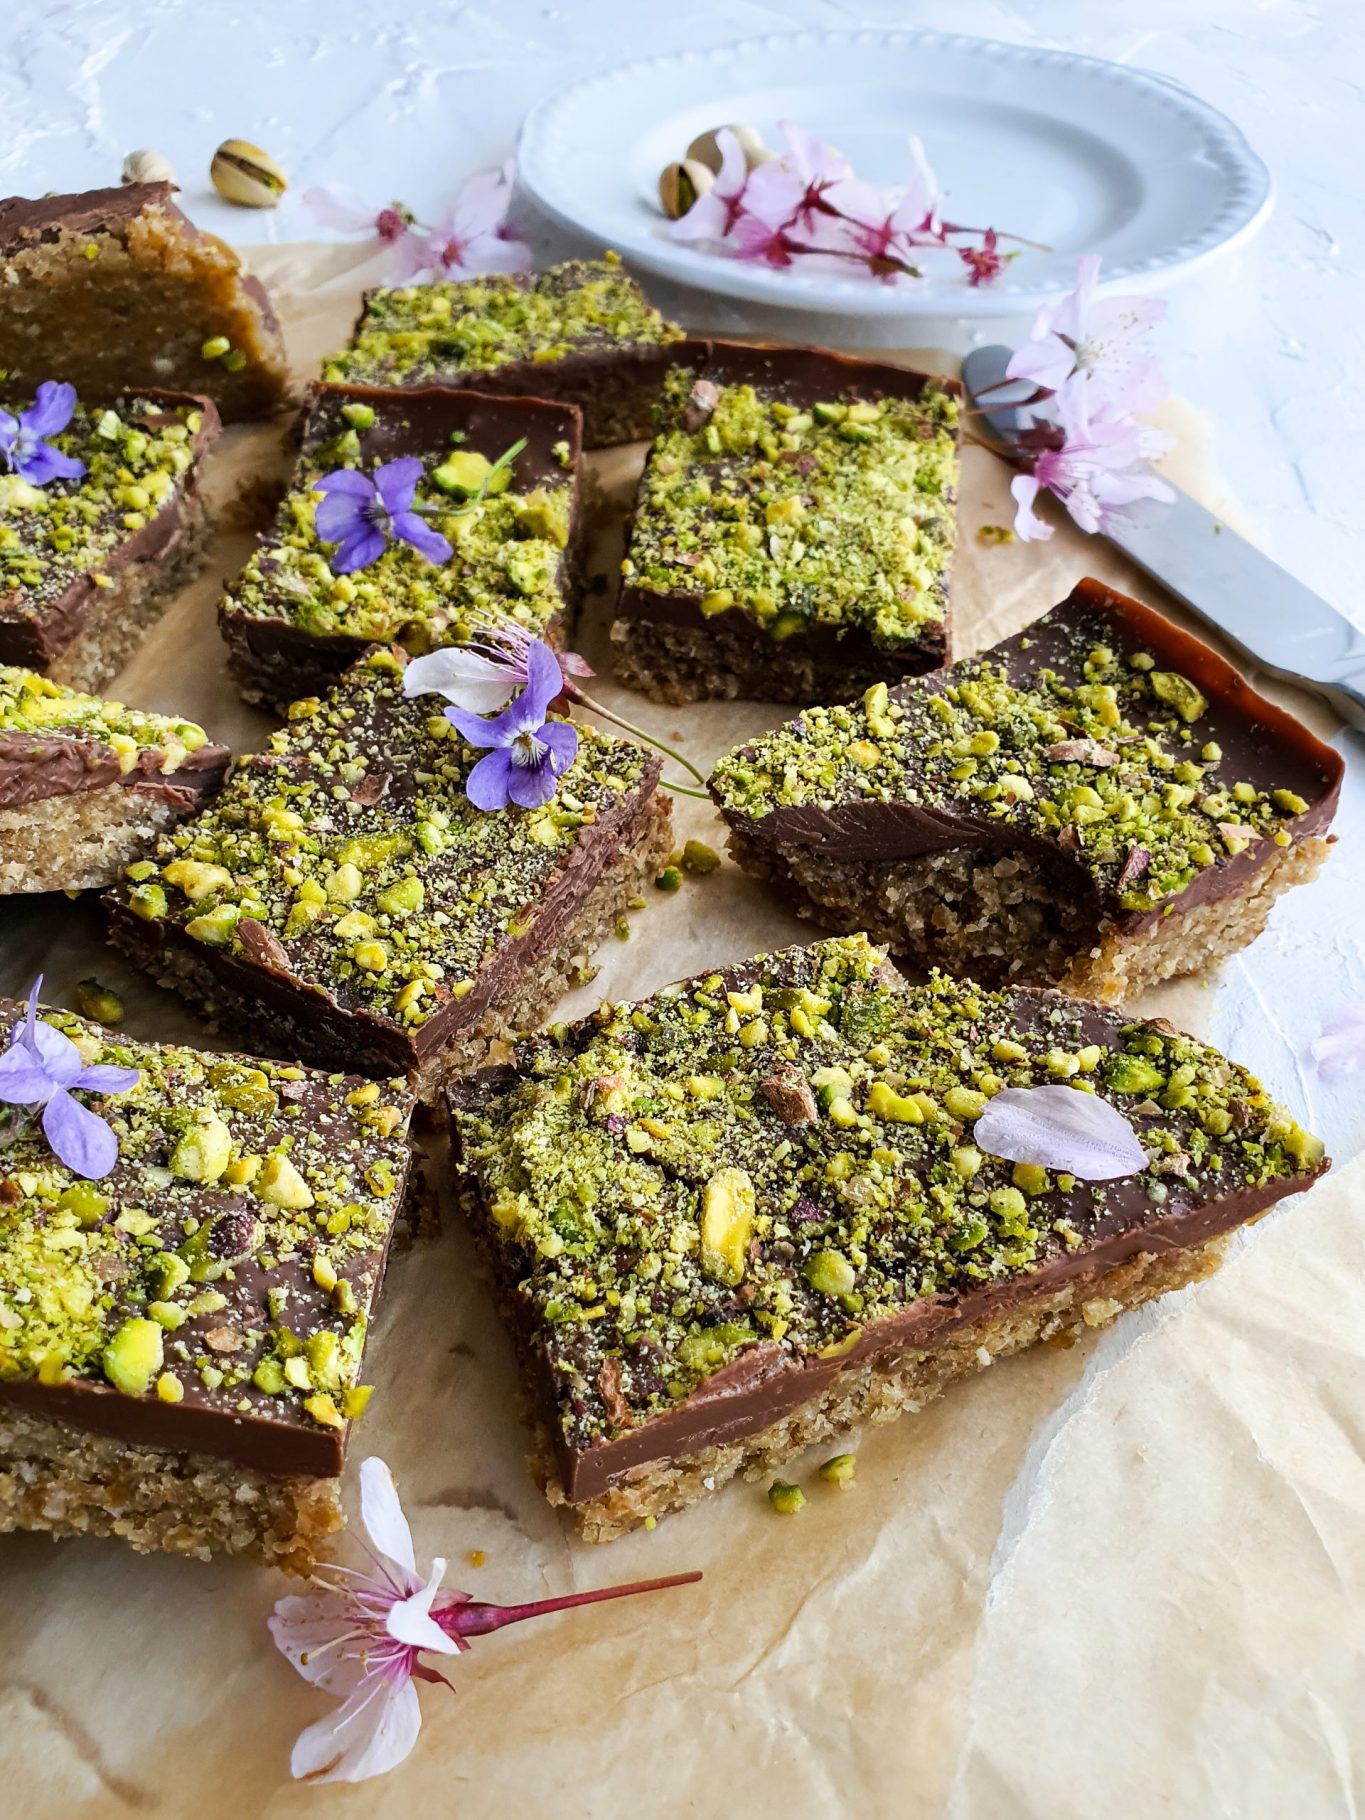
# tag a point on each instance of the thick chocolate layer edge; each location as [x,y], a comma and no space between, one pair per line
[881,831]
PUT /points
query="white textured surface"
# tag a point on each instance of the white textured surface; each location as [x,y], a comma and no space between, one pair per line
[1271,343]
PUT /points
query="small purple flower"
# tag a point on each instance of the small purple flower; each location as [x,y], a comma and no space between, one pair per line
[529,753]
[361,512]
[22,448]
[43,1067]
[485,674]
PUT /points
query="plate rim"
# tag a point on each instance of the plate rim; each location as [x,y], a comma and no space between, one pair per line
[1242,215]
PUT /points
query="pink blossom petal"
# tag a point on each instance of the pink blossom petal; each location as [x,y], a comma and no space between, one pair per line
[385,1524]
[810,158]
[1028,527]
[1340,1049]
[410,1620]
[372,1732]
[342,213]
[1062,1129]
[307,1629]
[1048,363]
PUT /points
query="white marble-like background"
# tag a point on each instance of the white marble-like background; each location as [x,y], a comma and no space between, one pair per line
[407,100]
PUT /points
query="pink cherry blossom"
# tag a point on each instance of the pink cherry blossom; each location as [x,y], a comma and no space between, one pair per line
[1093,469]
[1095,345]
[712,216]
[472,236]
[818,168]
[393,225]
[767,228]
[363,1640]
[1340,1049]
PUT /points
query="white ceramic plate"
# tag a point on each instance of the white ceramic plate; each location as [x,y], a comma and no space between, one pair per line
[1080,154]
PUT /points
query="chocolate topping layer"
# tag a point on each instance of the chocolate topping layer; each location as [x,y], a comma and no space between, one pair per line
[516,553]
[356,891]
[907,802]
[34,770]
[211,1294]
[701,1208]
[678,573]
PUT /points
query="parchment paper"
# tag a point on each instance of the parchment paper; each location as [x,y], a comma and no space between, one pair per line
[1123,1579]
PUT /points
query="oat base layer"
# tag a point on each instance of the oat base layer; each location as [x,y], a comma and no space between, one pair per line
[883,1389]
[80,842]
[677,664]
[999,918]
[65,1482]
[121,616]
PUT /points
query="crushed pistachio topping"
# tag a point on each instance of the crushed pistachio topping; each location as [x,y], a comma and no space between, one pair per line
[838,514]
[426,332]
[136,458]
[508,538]
[33,705]
[233,1254]
[782,1155]
[1102,753]
[350,857]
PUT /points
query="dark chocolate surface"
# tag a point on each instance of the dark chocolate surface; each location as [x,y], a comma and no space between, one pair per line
[877,1224]
[361,804]
[794,379]
[286,608]
[914,808]
[212,1293]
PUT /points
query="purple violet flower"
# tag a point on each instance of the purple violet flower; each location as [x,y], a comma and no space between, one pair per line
[528,752]
[23,450]
[43,1067]
[361,512]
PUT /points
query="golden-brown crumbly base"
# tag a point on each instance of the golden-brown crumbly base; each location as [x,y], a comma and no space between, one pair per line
[79,842]
[883,1389]
[139,315]
[120,616]
[715,662]
[539,987]
[1194,940]
[65,1482]
[999,917]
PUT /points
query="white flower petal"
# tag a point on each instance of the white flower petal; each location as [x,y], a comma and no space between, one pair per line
[373,1732]
[410,1620]
[1062,1129]
[306,1631]
[472,682]
[382,1515]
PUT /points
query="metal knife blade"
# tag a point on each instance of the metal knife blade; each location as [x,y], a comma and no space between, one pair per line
[1281,624]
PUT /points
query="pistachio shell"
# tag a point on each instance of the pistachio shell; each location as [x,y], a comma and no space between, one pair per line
[244,174]
[147,167]
[706,151]
[681,184]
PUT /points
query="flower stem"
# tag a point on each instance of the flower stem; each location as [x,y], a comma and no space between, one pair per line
[476,1620]
[596,707]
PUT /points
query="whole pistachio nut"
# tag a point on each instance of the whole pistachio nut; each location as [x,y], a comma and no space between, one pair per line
[681,184]
[147,167]
[705,150]
[244,174]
